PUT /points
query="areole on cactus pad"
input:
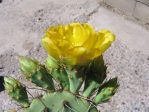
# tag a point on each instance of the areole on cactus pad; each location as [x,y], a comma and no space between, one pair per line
[76,63]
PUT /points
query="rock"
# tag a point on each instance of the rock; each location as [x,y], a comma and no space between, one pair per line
[1,83]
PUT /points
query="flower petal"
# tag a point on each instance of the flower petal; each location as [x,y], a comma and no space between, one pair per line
[50,47]
[76,43]
[105,38]
[78,34]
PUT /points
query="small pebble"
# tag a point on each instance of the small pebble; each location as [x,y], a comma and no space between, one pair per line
[1,66]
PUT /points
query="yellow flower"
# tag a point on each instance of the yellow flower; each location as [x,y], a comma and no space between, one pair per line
[76,43]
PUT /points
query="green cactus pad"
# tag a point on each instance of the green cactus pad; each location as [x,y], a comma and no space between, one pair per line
[36,106]
[42,79]
[106,91]
[74,80]
[61,76]
[51,63]
[61,102]
[16,91]
[95,75]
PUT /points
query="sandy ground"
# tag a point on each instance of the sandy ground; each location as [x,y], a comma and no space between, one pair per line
[22,24]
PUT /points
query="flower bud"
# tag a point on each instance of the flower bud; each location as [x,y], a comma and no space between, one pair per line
[10,83]
[28,66]
[16,91]
[51,63]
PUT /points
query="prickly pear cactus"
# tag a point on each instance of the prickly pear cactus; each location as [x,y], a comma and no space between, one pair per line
[80,73]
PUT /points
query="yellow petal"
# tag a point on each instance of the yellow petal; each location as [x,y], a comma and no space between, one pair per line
[90,42]
[109,38]
[76,43]
[78,51]
[78,34]
[88,29]
[94,53]
[92,37]
[77,55]
[105,38]
[50,47]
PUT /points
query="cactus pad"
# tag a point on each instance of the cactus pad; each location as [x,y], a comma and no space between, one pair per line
[61,102]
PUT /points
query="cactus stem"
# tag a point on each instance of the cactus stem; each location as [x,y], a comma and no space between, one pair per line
[92,86]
